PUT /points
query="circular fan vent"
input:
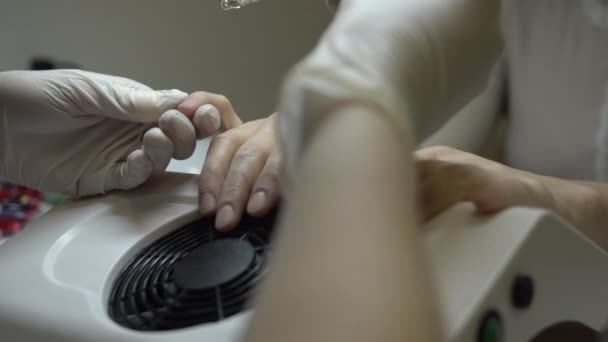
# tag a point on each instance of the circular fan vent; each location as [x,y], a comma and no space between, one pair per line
[191,276]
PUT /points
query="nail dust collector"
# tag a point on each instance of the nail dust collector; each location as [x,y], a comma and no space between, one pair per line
[143,266]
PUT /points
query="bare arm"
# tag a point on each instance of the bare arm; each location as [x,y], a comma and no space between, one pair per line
[448,176]
[584,204]
[348,265]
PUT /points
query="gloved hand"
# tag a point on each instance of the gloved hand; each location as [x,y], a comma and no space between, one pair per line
[82,133]
[413,62]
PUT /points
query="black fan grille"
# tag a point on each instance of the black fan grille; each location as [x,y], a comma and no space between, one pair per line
[146,297]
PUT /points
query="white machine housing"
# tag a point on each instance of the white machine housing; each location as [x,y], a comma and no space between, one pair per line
[57,274]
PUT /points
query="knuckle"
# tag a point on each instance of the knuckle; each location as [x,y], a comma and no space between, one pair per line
[232,192]
[222,99]
[225,138]
[247,155]
[268,181]
[210,180]
[222,102]
[200,94]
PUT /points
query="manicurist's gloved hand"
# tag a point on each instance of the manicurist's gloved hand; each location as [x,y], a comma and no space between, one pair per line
[83,133]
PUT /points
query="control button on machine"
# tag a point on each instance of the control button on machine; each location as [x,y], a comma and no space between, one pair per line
[522,292]
[490,329]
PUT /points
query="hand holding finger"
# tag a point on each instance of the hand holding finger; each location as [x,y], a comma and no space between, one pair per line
[210,113]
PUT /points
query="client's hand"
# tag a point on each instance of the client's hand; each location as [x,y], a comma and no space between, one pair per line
[448,176]
[241,173]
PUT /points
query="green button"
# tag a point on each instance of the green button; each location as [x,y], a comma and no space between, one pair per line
[491,328]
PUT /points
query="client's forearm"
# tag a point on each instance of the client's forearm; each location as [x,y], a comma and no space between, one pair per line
[584,204]
[348,264]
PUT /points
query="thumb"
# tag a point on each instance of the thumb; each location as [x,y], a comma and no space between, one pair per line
[140,105]
[129,174]
[115,97]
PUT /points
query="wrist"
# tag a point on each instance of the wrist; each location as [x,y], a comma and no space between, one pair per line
[579,203]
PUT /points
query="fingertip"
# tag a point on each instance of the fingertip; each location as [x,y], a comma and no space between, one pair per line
[257,203]
[487,201]
[158,148]
[484,208]
[225,219]
[483,212]
[132,173]
[207,203]
[139,165]
[207,120]
[180,131]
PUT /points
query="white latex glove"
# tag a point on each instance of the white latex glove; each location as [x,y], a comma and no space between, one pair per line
[415,62]
[82,133]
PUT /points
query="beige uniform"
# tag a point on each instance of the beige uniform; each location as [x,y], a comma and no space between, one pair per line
[557,67]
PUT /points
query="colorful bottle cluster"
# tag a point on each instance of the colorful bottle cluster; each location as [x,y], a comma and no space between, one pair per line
[19,204]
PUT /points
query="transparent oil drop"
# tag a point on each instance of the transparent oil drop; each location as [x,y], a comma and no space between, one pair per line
[235,4]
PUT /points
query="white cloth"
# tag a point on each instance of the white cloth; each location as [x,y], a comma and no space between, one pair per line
[557,56]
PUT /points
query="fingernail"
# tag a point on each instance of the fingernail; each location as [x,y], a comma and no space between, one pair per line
[207,118]
[224,218]
[257,202]
[207,203]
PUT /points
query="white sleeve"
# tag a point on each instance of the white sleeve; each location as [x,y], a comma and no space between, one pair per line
[416,61]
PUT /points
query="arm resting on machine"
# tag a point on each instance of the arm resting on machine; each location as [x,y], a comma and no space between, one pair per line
[349,264]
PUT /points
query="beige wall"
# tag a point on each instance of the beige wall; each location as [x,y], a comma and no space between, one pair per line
[186,44]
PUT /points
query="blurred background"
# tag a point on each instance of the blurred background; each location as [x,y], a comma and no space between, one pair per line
[186,44]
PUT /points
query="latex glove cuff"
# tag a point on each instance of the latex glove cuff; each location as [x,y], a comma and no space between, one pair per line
[312,92]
